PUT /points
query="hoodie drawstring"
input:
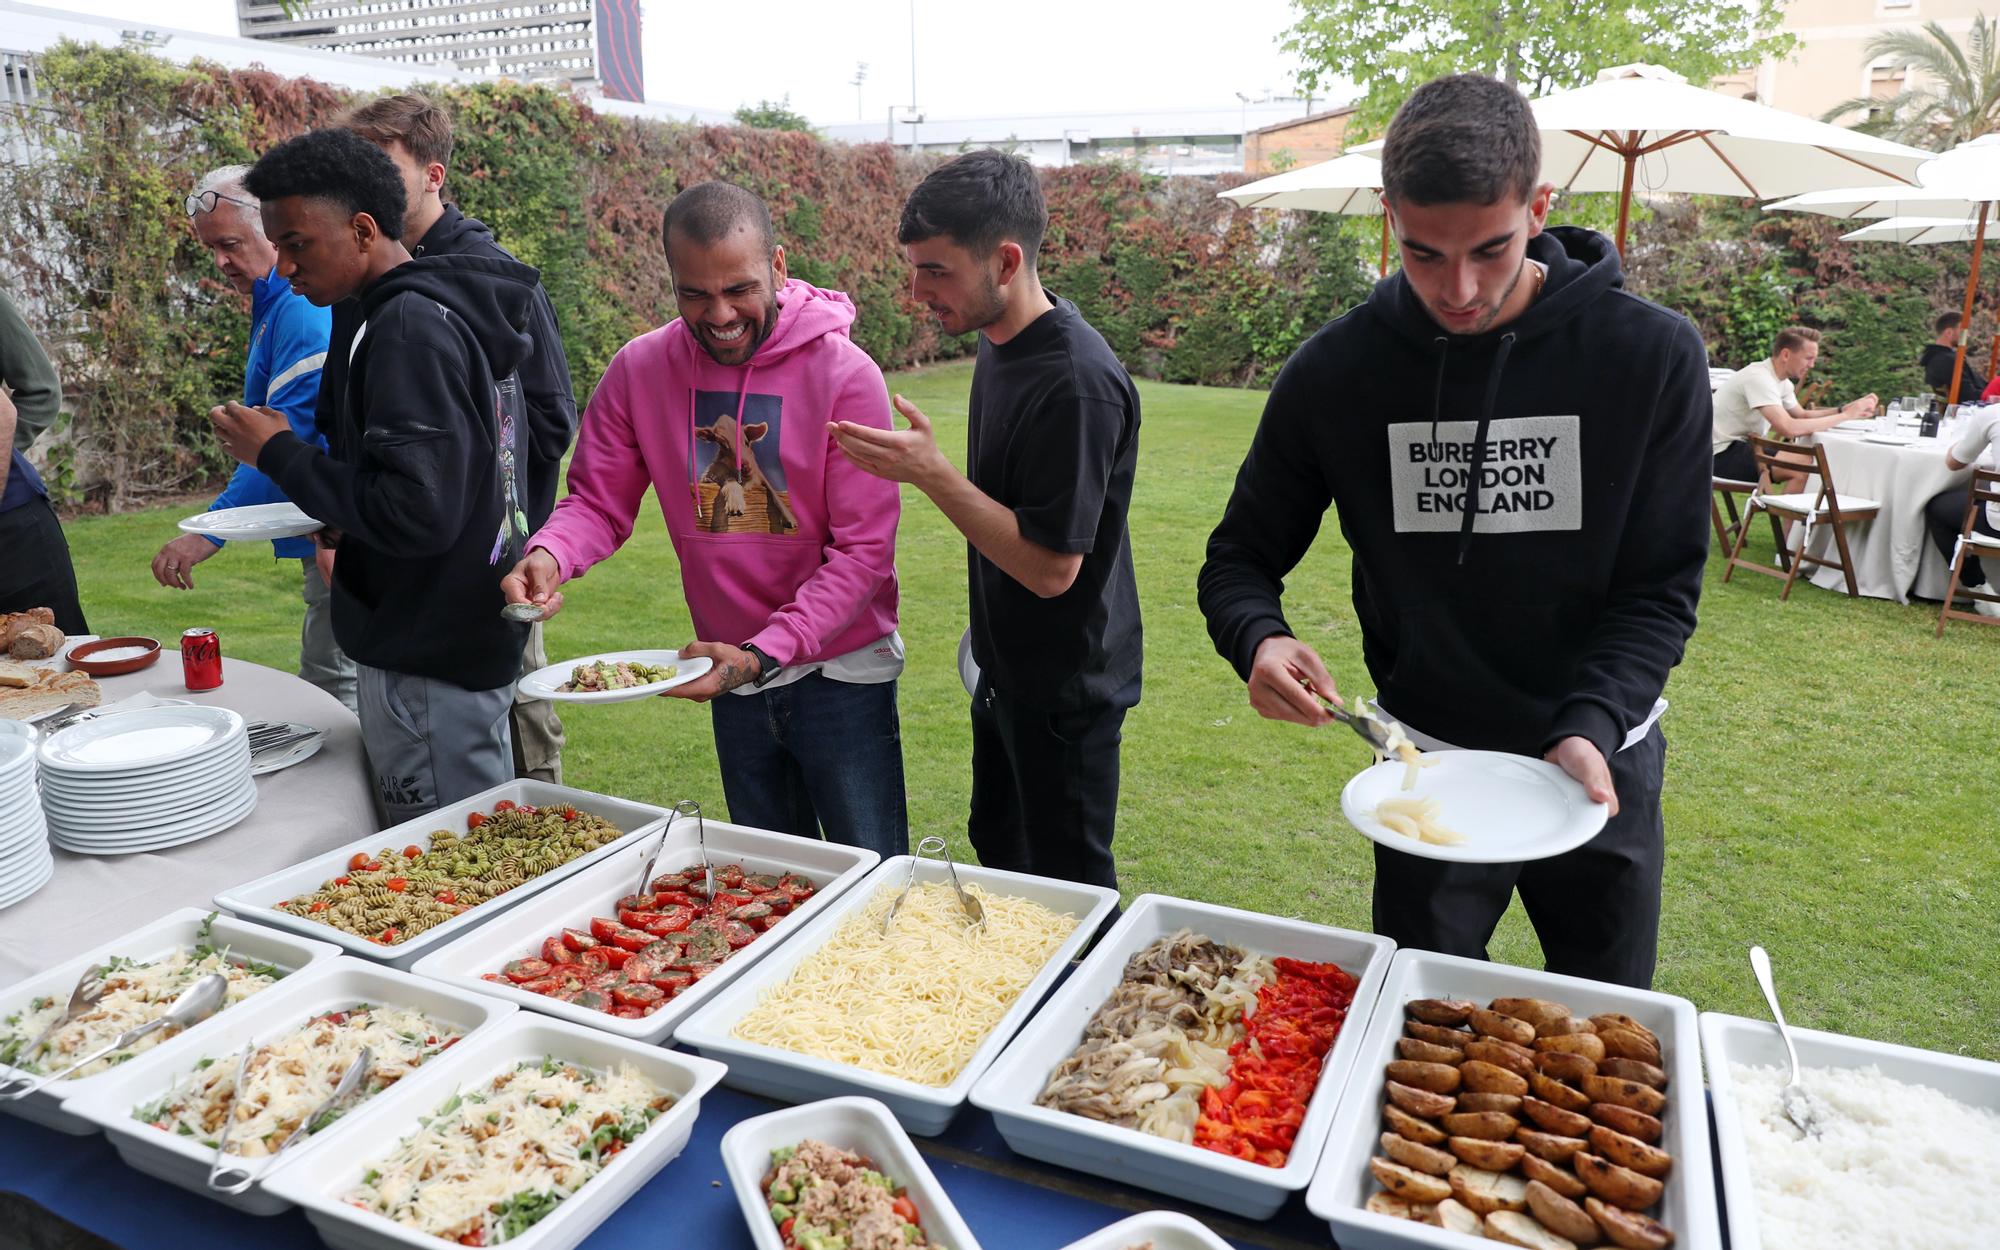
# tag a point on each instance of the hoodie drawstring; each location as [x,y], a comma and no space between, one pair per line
[1471,506]
[1443,345]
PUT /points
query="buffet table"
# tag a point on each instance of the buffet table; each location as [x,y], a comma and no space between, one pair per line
[302,810]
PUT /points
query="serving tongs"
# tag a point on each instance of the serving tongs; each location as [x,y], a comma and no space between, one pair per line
[225,1177]
[692,810]
[934,845]
[89,988]
[1369,724]
[195,1003]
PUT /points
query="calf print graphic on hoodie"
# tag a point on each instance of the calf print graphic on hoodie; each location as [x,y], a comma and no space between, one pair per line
[735,490]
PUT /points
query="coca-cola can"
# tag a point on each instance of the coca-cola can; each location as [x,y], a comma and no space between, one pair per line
[201,659]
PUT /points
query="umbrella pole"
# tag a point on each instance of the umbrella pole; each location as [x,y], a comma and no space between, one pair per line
[1382,270]
[1971,289]
[1625,201]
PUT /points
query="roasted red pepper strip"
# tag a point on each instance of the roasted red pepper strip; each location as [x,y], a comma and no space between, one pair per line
[1274,1069]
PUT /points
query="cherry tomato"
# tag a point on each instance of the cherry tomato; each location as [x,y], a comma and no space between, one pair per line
[520,970]
[504,805]
[545,986]
[555,952]
[447,896]
[602,928]
[597,957]
[639,995]
[577,940]
[631,939]
[672,983]
[373,865]
[785,1230]
[412,851]
[397,884]
[319,906]
[389,935]
[905,1210]
[477,1237]
[475,820]
[342,880]
[618,956]
[355,862]
[738,934]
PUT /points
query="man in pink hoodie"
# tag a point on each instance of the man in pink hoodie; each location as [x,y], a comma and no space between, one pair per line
[787,550]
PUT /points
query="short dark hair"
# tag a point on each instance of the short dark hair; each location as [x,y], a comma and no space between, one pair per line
[1791,338]
[1462,139]
[707,212]
[1946,321]
[410,118]
[333,164]
[978,201]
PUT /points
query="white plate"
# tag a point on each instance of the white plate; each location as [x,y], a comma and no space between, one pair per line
[1167,1230]
[1892,440]
[175,931]
[226,781]
[140,785]
[542,683]
[860,1125]
[1342,1183]
[17,751]
[1734,1039]
[146,739]
[1011,1085]
[253,899]
[26,872]
[331,985]
[24,889]
[319,1181]
[202,825]
[1508,808]
[923,1109]
[258,521]
[595,892]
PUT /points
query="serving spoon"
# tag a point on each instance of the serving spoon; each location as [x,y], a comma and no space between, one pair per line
[195,1003]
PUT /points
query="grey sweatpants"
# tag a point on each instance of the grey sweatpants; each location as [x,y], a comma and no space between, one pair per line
[538,733]
[431,743]
[321,661]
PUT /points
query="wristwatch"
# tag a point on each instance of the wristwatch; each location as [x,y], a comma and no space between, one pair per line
[767,668]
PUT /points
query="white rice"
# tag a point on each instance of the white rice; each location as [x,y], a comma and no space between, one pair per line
[1895,1166]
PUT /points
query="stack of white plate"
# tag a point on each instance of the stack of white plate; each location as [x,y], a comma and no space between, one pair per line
[25,862]
[147,779]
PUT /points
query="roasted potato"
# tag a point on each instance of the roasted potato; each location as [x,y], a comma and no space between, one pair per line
[1634,1070]
[1416,1155]
[1625,1094]
[1514,1228]
[1548,1089]
[1438,1078]
[1551,1146]
[1420,1101]
[1490,1125]
[1382,1202]
[1627,1120]
[1482,1077]
[1630,1152]
[1454,1216]
[1509,1103]
[1417,1050]
[1553,1119]
[1437,1034]
[1589,1045]
[1443,1011]
[1421,1131]
[1564,1065]
[1506,1028]
[1625,1044]
[1494,1156]
[1629,1230]
[1407,1183]
[1483,1192]
[1555,1176]
[1562,1215]
[1619,1186]
[1619,1020]
[1501,1054]
[1564,1026]
[1533,1010]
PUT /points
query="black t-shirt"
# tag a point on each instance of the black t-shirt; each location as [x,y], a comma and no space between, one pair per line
[1055,437]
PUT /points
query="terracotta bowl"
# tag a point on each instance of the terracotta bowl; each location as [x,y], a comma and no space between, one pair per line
[79,656]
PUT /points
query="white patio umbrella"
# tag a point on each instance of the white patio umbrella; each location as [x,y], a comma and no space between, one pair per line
[1350,185]
[1647,127]
[1915,230]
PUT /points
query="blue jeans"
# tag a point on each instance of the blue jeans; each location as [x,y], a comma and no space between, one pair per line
[816,757]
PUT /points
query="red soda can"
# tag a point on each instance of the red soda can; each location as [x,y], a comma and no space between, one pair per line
[201,659]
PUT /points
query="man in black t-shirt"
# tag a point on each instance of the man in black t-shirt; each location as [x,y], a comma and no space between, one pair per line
[1051,452]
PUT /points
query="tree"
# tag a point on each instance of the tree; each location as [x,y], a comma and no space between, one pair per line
[1389,49]
[1950,93]
[774,115]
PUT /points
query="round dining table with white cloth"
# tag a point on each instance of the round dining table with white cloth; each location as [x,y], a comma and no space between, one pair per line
[1894,557]
[301,811]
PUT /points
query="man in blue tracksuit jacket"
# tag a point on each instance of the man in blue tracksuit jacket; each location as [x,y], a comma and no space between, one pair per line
[288,344]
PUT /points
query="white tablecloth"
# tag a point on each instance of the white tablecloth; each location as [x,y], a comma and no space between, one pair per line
[1893,555]
[301,811]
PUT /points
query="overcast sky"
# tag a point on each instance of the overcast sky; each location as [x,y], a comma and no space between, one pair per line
[1013,56]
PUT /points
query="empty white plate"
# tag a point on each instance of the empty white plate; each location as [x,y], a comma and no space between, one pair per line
[146,739]
[157,838]
[542,683]
[258,521]
[11,895]
[1507,808]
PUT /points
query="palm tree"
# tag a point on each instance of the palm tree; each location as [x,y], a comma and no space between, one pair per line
[1950,93]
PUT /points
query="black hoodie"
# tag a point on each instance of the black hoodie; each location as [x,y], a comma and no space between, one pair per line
[416,479]
[544,374]
[1937,360]
[1583,425]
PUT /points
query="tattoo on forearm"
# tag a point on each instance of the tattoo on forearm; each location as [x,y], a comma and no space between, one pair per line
[736,673]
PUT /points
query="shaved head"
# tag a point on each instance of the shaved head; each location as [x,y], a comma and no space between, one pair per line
[709,212]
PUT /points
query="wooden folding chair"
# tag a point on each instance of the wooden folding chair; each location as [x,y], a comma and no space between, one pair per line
[1973,545]
[1812,507]
[1724,491]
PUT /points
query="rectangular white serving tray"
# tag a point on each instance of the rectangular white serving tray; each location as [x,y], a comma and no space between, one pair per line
[595,892]
[318,1181]
[1727,1039]
[255,900]
[333,985]
[1011,1085]
[923,1109]
[1166,1230]
[172,932]
[1343,1182]
[861,1125]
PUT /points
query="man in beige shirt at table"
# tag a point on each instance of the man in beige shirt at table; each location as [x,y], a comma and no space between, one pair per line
[1763,394]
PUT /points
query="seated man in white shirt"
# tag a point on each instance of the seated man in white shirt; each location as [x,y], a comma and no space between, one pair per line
[1763,394]
[1944,515]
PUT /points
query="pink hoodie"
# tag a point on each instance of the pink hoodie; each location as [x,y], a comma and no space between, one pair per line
[793,548]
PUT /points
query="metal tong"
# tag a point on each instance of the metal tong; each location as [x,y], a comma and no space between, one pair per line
[195,1003]
[89,988]
[686,807]
[233,1178]
[1368,723]
[934,845]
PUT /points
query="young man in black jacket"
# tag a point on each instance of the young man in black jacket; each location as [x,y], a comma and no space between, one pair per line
[1518,451]
[421,488]
[1939,357]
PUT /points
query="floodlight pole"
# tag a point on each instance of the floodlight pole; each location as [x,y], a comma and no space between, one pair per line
[1971,289]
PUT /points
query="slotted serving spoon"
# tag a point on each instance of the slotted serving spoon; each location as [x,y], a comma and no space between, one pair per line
[934,845]
[233,1178]
[89,988]
[1792,1098]
[196,1003]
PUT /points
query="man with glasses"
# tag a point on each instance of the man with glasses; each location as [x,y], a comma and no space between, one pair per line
[288,342]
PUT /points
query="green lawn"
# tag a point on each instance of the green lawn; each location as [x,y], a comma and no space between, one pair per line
[1830,790]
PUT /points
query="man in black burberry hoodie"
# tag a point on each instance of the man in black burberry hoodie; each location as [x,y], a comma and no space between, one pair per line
[1518,454]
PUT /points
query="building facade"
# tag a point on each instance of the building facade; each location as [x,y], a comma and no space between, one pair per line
[1300,141]
[1831,64]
